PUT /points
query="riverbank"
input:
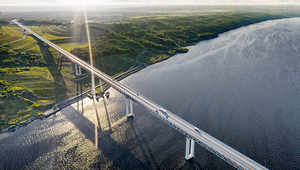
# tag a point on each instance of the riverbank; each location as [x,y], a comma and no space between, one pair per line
[159,38]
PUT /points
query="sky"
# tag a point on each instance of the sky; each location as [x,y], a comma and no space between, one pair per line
[147,1]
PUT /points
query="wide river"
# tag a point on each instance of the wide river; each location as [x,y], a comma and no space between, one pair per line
[242,88]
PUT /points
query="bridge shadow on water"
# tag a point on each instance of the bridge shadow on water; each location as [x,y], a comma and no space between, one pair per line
[106,112]
[130,151]
[120,151]
[117,152]
[142,143]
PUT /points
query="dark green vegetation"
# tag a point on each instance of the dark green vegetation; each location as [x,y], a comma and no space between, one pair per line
[44,22]
[18,59]
[33,78]
[3,21]
[147,40]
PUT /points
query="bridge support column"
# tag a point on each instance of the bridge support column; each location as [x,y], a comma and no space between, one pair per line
[77,70]
[127,107]
[101,86]
[190,148]
[93,85]
[59,55]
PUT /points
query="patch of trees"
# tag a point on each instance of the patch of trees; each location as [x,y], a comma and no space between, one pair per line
[10,70]
[19,59]
[82,53]
[44,22]
[97,27]
[3,21]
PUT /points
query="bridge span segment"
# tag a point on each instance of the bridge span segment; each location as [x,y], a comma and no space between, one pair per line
[192,133]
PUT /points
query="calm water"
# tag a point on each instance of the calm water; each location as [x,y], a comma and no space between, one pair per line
[242,88]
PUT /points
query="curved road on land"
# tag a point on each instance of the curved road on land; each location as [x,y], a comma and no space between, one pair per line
[4,33]
[8,37]
[212,144]
[24,36]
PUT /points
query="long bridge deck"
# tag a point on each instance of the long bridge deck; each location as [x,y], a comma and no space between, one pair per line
[220,149]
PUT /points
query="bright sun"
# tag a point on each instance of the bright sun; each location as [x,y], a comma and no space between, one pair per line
[77,2]
[83,2]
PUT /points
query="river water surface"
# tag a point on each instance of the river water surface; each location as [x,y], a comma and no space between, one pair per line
[242,88]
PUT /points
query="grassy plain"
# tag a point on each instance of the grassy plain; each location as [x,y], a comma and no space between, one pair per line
[33,78]
[13,34]
[28,88]
[7,35]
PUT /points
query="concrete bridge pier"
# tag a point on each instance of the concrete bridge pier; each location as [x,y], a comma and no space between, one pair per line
[78,70]
[93,85]
[59,55]
[129,114]
[101,85]
[190,148]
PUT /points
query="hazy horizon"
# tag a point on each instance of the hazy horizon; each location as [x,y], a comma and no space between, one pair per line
[147,2]
[28,7]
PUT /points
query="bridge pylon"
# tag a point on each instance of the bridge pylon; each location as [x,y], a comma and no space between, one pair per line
[128,101]
[190,148]
[93,85]
[101,85]
[78,70]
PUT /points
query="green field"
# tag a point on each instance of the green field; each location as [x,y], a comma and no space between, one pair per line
[12,34]
[7,35]
[28,47]
[1,32]
[29,92]
[27,89]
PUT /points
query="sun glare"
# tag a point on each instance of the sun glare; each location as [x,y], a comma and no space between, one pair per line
[84,2]
[77,2]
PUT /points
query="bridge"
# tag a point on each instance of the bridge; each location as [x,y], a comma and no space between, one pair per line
[192,133]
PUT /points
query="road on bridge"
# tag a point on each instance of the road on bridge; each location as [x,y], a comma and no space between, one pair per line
[212,144]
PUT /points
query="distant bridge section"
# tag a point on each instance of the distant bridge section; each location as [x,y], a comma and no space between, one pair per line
[192,133]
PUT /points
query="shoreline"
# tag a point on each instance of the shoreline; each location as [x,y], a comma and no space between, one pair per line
[120,77]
